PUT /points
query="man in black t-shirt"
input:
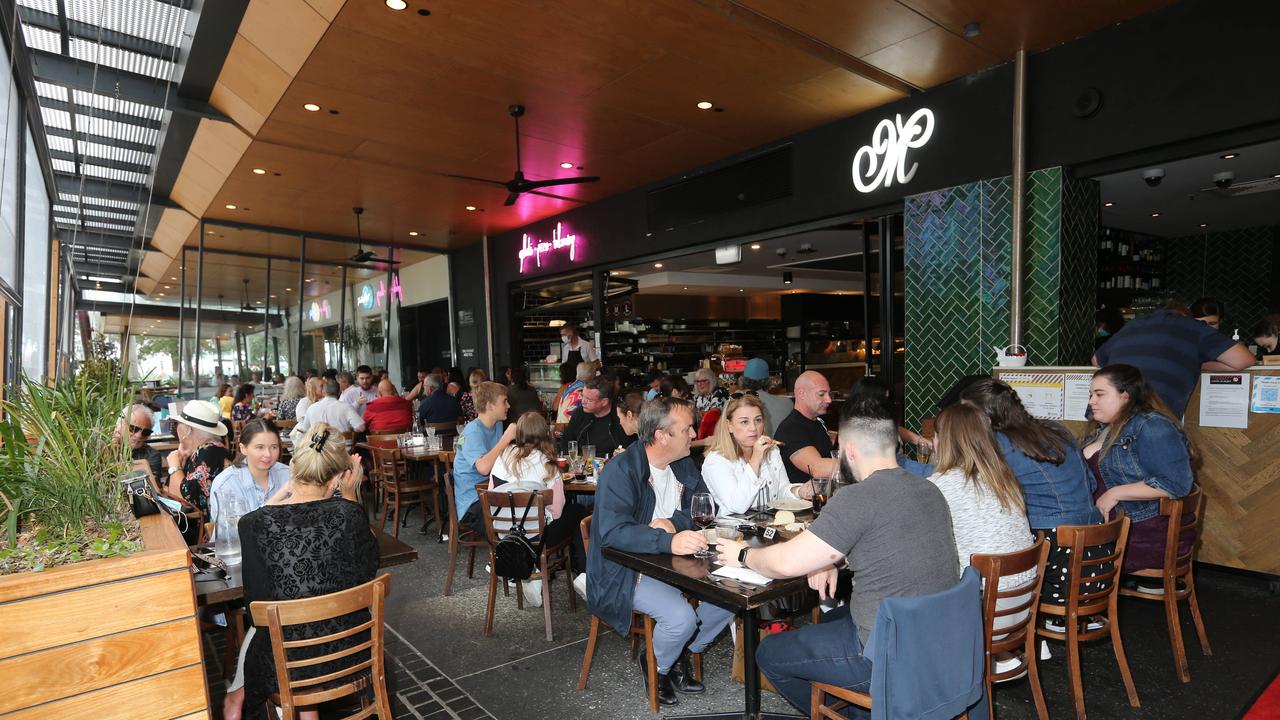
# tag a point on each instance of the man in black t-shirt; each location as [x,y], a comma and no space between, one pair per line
[806,446]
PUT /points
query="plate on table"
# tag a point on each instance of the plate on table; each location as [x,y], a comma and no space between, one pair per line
[792,504]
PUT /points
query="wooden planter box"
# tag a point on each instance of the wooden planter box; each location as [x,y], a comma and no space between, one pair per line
[110,638]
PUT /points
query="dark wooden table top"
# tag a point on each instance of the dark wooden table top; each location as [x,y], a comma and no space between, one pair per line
[391,551]
[579,487]
[694,575]
[412,453]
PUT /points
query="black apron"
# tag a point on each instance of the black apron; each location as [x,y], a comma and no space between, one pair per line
[575,357]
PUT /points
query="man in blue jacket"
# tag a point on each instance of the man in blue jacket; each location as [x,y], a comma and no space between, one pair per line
[642,506]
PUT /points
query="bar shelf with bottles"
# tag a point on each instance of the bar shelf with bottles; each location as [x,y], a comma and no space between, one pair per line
[1129,263]
[682,345]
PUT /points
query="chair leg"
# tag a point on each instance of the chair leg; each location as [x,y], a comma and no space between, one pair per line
[546,598]
[493,599]
[651,667]
[1174,619]
[1033,676]
[519,593]
[1118,645]
[697,666]
[453,563]
[1194,604]
[1073,664]
[590,653]
[471,563]
[382,511]
[635,645]
[568,583]
[395,520]
[815,702]
[991,703]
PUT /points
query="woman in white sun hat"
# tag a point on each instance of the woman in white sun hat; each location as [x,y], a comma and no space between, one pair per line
[201,453]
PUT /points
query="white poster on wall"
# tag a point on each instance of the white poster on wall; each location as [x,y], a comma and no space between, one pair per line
[1076,397]
[1042,394]
[1224,400]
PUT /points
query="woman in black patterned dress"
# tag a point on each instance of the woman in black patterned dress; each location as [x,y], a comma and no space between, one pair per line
[308,542]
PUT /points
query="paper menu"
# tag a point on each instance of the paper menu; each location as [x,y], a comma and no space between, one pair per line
[1075,403]
[1224,400]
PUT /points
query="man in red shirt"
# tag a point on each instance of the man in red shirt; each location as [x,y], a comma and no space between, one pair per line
[390,412]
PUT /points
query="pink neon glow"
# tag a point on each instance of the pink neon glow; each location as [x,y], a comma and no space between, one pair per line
[559,241]
[395,290]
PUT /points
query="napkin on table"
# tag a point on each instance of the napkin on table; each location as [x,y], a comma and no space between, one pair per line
[745,575]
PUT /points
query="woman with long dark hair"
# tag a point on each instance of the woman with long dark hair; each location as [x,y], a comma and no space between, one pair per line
[522,396]
[242,403]
[1139,454]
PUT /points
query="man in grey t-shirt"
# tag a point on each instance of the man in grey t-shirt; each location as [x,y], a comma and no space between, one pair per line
[894,530]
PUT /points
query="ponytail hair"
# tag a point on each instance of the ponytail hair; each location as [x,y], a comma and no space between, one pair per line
[321,455]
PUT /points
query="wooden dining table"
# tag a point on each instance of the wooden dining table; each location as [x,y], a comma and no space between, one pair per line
[391,551]
[693,575]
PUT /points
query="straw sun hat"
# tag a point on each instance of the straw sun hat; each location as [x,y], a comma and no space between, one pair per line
[202,415]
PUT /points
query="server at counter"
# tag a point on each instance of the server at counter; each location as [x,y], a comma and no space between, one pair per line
[806,445]
[596,422]
[573,348]
[1171,348]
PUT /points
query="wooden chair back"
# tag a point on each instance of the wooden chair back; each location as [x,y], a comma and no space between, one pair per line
[448,427]
[274,616]
[1079,537]
[585,528]
[1185,515]
[389,467]
[286,425]
[387,437]
[496,506]
[449,495]
[1026,597]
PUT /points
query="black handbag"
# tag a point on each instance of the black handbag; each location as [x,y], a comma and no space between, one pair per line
[514,557]
[142,500]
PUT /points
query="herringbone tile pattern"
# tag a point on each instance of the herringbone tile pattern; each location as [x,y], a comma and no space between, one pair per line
[1233,266]
[1078,293]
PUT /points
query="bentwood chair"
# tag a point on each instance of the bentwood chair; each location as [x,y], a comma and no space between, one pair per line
[396,488]
[362,656]
[1009,616]
[641,630]
[459,536]
[551,558]
[1091,598]
[1186,519]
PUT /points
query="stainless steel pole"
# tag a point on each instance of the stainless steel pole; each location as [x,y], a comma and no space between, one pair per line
[302,298]
[195,375]
[1019,196]
[342,316]
[266,325]
[182,311]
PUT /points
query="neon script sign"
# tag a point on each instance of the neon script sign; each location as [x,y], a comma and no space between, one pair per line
[876,165]
[319,310]
[531,249]
[370,298]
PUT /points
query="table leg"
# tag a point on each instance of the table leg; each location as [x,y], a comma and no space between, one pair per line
[750,676]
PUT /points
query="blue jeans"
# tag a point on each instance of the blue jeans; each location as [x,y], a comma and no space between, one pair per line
[828,652]
[676,621]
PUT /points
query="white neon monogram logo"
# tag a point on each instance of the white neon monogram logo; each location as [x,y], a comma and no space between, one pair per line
[875,165]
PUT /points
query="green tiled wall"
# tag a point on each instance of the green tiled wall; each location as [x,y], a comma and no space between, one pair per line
[957,279]
[1235,267]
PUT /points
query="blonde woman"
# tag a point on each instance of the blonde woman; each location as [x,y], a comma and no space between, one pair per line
[314,392]
[743,464]
[311,539]
[294,393]
[468,402]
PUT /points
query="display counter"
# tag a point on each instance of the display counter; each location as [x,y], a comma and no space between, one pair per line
[1238,468]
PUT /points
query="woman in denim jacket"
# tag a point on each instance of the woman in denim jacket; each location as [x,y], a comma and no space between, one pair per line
[1138,452]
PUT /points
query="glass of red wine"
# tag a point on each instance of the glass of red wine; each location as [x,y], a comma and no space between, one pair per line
[703,510]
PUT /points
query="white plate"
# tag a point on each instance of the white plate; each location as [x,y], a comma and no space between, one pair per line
[792,504]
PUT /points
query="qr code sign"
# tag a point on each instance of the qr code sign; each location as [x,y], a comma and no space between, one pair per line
[1269,394]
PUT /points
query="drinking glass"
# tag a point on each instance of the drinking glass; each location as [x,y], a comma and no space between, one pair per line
[588,452]
[703,510]
[573,449]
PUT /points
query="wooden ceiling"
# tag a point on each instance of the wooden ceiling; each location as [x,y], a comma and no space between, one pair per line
[611,86]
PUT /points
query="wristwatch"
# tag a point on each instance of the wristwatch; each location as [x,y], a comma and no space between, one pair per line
[742,556]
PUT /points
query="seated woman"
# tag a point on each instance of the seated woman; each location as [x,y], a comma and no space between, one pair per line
[225,399]
[200,456]
[294,392]
[529,464]
[467,401]
[629,415]
[242,404]
[307,542]
[743,464]
[988,514]
[1138,454]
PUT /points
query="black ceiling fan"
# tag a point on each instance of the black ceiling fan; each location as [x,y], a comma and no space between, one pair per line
[362,255]
[519,185]
[246,306]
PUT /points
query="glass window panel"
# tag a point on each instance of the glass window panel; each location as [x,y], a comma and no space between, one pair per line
[9,127]
[120,58]
[35,270]
[112,104]
[40,39]
[44,6]
[149,19]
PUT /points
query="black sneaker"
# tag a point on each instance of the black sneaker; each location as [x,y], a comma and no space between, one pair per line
[681,675]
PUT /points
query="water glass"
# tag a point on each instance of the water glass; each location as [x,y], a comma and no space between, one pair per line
[588,452]
[226,540]
[573,448]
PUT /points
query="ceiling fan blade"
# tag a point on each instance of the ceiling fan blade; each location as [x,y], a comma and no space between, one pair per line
[511,199]
[535,184]
[500,183]
[558,197]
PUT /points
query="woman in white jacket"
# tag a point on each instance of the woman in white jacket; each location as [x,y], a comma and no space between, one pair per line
[743,464]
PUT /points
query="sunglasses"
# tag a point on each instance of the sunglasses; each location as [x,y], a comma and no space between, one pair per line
[145,432]
[738,395]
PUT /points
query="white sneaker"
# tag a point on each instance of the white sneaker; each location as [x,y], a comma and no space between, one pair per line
[580,585]
[1044,650]
[1057,624]
[532,590]
[1003,666]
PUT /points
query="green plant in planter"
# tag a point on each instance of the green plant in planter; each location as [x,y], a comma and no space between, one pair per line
[60,467]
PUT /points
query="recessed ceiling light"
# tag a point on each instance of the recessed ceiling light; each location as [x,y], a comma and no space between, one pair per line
[229,206]
[311,107]
[657,265]
[257,302]
[161,294]
[397,4]
[739,289]
[1155,215]
[1108,204]
[706,105]
[208,232]
[755,246]
[470,208]
[166,287]
[173,278]
[413,233]
[259,171]
[566,165]
[311,279]
[686,288]
[288,289]
[273,297]
[1229,156]
[1277,175]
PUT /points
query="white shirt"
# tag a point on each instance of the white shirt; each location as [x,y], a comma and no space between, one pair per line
[587,349]
[351,396]
[665,491]
[300,411]
[329,410]
[981,525]
[530,473]
[734,485]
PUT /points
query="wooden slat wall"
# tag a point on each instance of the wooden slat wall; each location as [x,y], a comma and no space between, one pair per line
[1239,471]
[113,638]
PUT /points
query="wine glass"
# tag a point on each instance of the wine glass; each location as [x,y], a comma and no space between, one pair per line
[703,510]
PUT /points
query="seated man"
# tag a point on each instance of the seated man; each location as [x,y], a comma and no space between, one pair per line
[331,411]
[803,436]
[596,422]
[437,406]
[642,505]
[135,428]
[478,448]
[894,531]
[390,412]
